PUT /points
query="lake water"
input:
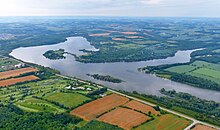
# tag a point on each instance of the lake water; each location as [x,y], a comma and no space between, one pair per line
[134,80]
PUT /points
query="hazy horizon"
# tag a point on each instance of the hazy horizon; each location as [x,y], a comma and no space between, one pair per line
[111,8]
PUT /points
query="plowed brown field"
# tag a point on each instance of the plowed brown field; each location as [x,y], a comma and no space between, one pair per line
[98,35]
[13,73]
[135,105]
[129,33]
[95,108]
[202,127]
[124,118]
[13,81]
[118,39]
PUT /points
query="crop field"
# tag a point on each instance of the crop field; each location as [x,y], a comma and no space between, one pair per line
[124,118]
[37,105]
[129,33]
[202,127]
[95,108]
[208,72]
[165,122]
[98,35]
[67,99]
[199,69]
[12,81]
[118,39]
[135,105]
[181,69]
[17,72]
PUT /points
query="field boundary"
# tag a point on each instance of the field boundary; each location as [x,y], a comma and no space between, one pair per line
[151,104]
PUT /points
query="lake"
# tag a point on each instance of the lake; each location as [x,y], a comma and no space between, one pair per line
[126,71]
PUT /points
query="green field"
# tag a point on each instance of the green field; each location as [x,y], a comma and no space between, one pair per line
[181,69]
[37,105]
[165,122]
[199,69]
[69,100]
[208,72]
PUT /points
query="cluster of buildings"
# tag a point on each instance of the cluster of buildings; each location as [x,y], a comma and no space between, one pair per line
[78,88]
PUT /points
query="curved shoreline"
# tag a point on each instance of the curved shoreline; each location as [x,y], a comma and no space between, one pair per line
[126,71]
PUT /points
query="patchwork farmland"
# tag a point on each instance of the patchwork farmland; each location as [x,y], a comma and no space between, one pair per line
[202,127]
[12,81]
[17,72]
[165,122]
[54,96]
[135,105]
[95,108]
[124,118]
[119,111]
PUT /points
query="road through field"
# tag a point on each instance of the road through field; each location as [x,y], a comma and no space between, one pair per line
[151,104]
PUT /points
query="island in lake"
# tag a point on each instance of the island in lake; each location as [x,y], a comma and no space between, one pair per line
[107,78]
[55,54]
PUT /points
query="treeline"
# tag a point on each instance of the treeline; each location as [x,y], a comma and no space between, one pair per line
[53,102]
[13,118]
[109,53]
[183,78]
[98,91]
[208,55]
[45,72]
[55,54]
[195,81]
[105,78]
[203,110]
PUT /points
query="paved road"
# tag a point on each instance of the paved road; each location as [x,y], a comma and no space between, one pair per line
[148,103]
[151,104]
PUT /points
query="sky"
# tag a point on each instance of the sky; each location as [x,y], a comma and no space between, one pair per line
[139,8]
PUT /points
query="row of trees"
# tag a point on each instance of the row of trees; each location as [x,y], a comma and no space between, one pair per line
[105,78]
[183,78]
[200,109]
[13,118]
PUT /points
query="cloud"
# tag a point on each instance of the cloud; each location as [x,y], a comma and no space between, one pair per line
[111,7]
[151,2]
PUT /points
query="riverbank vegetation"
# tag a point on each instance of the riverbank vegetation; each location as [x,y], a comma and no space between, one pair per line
[55,54]
[200,109]
[107,78]
[128,40]
[198,73]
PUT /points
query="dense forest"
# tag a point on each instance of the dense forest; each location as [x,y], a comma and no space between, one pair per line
[55,54]
[13,118]
[107,78]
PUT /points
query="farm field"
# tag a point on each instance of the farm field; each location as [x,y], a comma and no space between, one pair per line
[97,125]
[165,122]
[202,127]
[181,69]
[37,105]
[99,35]
[124,118]
[69,100]
[17,72]
[12,81]
[95,108]
[199,69]
[135,105]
